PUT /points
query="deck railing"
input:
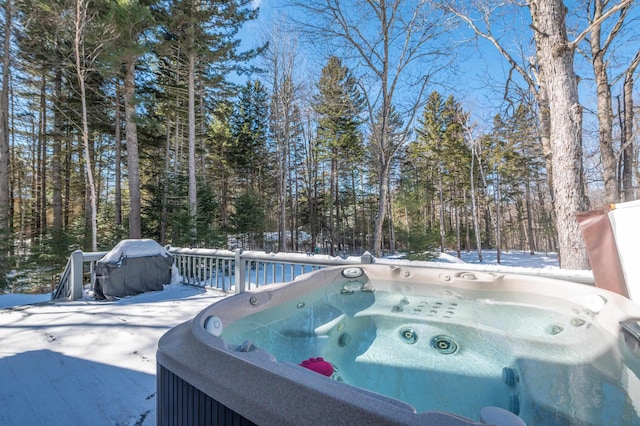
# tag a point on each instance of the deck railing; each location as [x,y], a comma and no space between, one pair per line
[71,285]
[227,270]
[240,270]
[243,270]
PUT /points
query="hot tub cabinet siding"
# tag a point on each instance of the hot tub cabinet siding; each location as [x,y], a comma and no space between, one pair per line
[180,403]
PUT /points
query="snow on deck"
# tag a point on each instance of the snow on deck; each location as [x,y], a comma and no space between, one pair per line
[87,362]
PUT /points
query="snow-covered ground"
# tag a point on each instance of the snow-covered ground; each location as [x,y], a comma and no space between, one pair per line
[86,362]
[93,363]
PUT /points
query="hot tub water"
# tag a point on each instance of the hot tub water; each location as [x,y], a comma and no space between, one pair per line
[447,350]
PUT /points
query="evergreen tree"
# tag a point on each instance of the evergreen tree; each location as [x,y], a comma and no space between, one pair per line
[440,147]
[516,162]
[249,127]
[338,105]
[248,218]
[132,19]
[201,38]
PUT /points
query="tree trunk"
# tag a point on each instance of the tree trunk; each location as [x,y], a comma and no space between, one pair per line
[383,191]
[5,230]
[118,160]
[545,132]
[443,232]
[282,196]
[392,231]
[193,199]
[56,160]
[81,7]
[34,209]
[357,232]
[42,143]
[333,200]
[66,206]
[605,111]
[498,225]
[529,212]
[456,212]
[555,58]
[131,134]
[629,157]
[164,213]
[474,206]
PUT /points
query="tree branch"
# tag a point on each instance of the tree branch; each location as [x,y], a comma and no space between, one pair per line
[598,21]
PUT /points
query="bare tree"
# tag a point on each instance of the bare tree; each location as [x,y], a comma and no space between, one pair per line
[555,56]
[84,60]
[282,59]
[81,69]
[384,42]
[472,141]
[553,82]
[629,155]
[599,50]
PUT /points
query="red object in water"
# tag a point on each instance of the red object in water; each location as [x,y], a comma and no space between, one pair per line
[318,365]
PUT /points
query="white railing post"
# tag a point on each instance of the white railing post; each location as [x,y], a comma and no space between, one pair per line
[239,272]
[76,277]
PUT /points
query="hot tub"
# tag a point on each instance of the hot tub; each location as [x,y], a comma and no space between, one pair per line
[408,345]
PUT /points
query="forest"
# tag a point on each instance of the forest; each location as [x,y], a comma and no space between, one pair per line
[159,119]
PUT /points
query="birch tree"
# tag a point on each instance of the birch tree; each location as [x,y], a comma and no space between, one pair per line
[472,142]
[84,59]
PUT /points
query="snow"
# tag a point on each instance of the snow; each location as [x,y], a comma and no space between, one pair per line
[16,299]
[86,362]
[134,248]
[89,362]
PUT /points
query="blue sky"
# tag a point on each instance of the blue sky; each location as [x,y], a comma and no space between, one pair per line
[481,71]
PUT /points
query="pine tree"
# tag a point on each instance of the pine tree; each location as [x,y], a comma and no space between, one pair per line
[201,38]
[440,149]
[248,217]
[338,105]
[249,129]
[131,19]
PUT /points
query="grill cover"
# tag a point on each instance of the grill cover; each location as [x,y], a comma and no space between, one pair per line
[132,267]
